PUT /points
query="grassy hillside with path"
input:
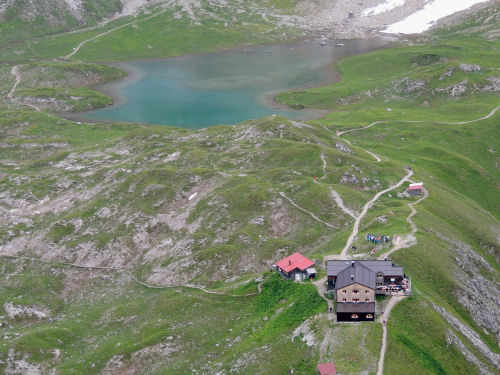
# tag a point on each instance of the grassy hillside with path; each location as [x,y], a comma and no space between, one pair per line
[200,216]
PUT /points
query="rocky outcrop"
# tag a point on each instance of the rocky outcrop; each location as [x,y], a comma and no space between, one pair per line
[479,295]
[469,356]
[18,311]
[407,86]
[493,86]
[342,147]
[456,89]
[468,68]
[447,73]
[470,334]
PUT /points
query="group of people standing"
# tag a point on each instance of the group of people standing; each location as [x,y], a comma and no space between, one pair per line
[377,239]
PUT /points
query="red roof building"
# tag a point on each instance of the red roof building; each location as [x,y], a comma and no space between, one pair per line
[326,369]
[296,264]
[296,260]
[416,189]
[416,186]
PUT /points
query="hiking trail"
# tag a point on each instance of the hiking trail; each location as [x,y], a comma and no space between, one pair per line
[324,166]
[406,241]
[307,212]
[77,48]
[493,111]
[16,73]
[129,272]
[385,317]
[366,207]
[320,285]
[375,156]
[338,199]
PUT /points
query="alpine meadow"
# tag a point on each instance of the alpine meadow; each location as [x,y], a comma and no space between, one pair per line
[137,248]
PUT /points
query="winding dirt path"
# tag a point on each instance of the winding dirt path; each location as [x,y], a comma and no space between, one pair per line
[320,285]
[307,212]
[374,156]
[16,73]
[366,207]
[405,242]
[339,133]
[129,272]
[338,199]
[323,159]
[336,196]
[384,318]
[77,48]
[493,111]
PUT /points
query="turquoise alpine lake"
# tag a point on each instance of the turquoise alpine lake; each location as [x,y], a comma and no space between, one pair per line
[223,88]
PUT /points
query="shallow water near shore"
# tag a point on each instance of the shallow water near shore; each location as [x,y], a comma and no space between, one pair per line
[223,88]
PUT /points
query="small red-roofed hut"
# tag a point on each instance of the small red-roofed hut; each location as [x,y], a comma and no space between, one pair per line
[296,267]
[416,189]
[326,369]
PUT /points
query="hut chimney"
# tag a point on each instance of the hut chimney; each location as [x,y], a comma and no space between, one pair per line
[289,262]
[352,277]
[352,264]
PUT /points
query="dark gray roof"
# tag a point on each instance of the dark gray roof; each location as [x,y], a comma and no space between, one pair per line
[333,267]
[356,272]
[360,307]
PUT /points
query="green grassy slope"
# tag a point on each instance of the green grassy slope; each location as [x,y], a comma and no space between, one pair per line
[163,30]
[118,195]
[22,20]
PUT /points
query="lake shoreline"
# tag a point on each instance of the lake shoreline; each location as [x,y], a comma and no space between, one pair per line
[267,99]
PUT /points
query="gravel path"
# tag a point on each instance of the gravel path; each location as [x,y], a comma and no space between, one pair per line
[307,212]
[320,285]
[366,207]
[493,111]
[15,72]
[338,199]
[384,318]
[324,166]
[375,156]
[128,272]
[404,242]
[77,48]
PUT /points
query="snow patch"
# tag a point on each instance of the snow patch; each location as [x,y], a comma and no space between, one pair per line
[384,7]
[425,18]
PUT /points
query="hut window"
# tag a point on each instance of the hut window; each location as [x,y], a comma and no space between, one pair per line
[355,291]
[367,291]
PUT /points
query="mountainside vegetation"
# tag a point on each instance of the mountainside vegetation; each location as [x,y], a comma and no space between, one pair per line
[21,20]
[133,249]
